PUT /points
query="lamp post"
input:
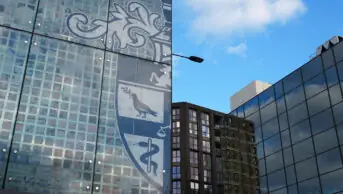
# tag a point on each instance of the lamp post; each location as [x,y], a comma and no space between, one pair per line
[191,58]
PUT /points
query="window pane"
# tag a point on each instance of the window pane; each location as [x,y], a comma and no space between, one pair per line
[262,167]
[335,94]
[310,186]
[251,106]
[331,76]
[268,112]
[293,189]
[328,59]
[321,142]
[338,52]
[321,99]
[260,151]
[306,169]
[290,174]
[340,133]
[322,121]
[303,150]
[258,135]
[272,145]
[288,156]
[312,68]
[274,162]
[255,118]
[276,180]
[270,128]
[278,87]
[283,121]
[295,97]
[338,113]
[291,81]
[18,14]
[315,85]
[285,138]
[263,184]
[329,161]
[297,114]
[266,97]
[300,131]
[281,105]
[332,182]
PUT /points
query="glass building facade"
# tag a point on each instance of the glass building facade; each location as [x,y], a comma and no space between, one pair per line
[85,96]
[298,125]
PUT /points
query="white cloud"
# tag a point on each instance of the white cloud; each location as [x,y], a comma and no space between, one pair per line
[228,17]
[239,49]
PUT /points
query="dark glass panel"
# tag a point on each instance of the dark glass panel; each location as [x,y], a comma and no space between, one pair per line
[285,138]
[318,103]
[255,118]
[268,112]
[331,76]
[328,59]
[303,150]
[338,112]
[329,161]
[280,191]
[338,52]
[293,189]
[262,167]
[321,142]
[281,105]
[292,81]
[332,182]
[270,128]
[295,97]
[322,121]
[306,169]
[272,145]
[258,134]
[240,112]
[263,184]
[283,121]
[276,180]
[290,174]
[312,68]
[340,70]
[335,94]
[300,131]
[288,156]
[297,114]
[266,97]
[260,151]
[310,186]
[274,162]
[340,133]
[251,106]
[315,85]
[278,87]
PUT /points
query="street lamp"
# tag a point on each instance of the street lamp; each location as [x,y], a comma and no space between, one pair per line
[192,58]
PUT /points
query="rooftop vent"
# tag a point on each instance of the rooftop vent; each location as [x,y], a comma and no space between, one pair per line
[328,44]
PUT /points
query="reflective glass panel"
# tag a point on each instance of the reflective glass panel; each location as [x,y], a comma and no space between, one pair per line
[310,186]
[293,189]
[14,46]
[270,128]
[281,105]
[332,182]
[315,85]
[338,52]
[260,151]
[329,161]
[274,162]
[321,142]
[285,138]
[18,13]
[255,118]
[288,156]
[295,97]
[306,169]
[300,131]
[262,167]
[283,121]
[82,21]
[272,145]
[258,135]
[331,76]
[312,68]
[268,112]
[340,133]
[318,103]
[338,113]
[278,87]
[322,121]
[263,184]
[328,59]
[292,81]
[251,106]
[59,106]
[290,175]
[276,180]
[266,97]
[297,114]
[303,150]
[335,94]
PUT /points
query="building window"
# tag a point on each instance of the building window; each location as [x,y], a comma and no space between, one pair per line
[206,146]
[194,173]
[176,187]
[176,114]
[176,127]
[205,119]
[208,189]
[207,176]
[176,142]
[194,186]
[205,131]
[219,177]
[176,172]
[176,156]
[193,143]
[206,161]
[193,129]
[193,158]
[192,115]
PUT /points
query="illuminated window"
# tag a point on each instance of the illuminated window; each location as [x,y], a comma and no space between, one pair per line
[176,127]
[207,175]
[176,172]
[192,114]
[194,186]
[176,156]
[206,146]
[176,187]
[176,114]
[176,142]
[193,129]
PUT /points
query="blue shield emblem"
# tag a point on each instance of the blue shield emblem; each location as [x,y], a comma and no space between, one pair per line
[143,105]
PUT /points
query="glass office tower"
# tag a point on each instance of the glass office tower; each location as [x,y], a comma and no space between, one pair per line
[299,128]
[85,96]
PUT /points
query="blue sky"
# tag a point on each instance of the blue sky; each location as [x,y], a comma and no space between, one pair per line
[265,40]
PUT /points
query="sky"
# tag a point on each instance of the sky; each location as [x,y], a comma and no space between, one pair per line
[245,40]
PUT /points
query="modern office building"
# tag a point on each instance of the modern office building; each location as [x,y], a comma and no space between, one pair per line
[85,96]
[248,92]
[298,126]
[212,152]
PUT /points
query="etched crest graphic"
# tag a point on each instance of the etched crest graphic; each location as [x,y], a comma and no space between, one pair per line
[142,98]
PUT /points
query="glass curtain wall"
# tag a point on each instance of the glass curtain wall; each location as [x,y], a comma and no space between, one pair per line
[85,96]
[299,128]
